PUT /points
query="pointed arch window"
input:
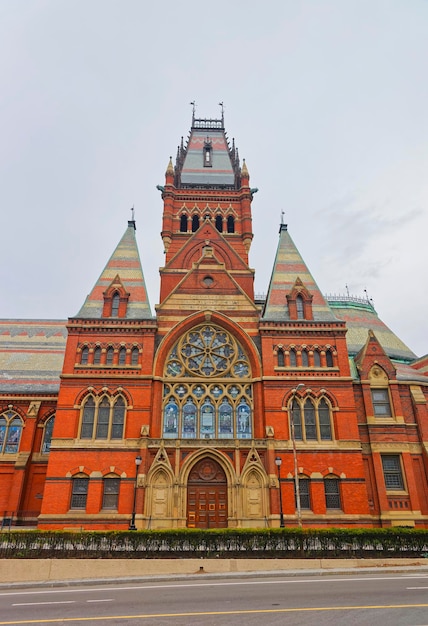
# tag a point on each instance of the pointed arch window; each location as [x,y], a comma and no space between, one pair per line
[329,358]
[293,357]
[300,308]
[183,223]
[195,223]
[122,356]
[312,421]
[135,356]
[103,418]
[97,355]
[110,355]
[84,355]
[219,223]
[230,224]
[115,301]
[47,434]
[10,432]
[280,357]
[317,359]
[305,359]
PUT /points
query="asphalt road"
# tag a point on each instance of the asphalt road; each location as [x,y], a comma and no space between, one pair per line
[372,599]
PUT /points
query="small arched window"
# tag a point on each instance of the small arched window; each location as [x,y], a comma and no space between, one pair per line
[317,359]
[195,223]
[111,486]
[230,224]
[305,497]
[79,492]
[324,420]
[135,355]
[115,301]
[332,493]
[281,361]
[110,355]
[305,359]
[183,223]
[300,308]
[47,435]
[329,358]
[84,355]
[97,355]
[219,223]
[293,358]
[122,356]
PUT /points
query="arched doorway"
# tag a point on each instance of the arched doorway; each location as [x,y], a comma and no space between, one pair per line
[207,495]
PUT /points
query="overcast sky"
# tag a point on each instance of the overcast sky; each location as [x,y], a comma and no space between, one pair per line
[327,101]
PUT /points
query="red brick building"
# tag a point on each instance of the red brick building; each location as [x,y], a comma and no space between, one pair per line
[203,412]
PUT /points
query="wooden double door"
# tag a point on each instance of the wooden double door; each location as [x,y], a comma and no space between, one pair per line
[207,496]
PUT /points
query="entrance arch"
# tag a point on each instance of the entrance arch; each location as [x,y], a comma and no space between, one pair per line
[207,495]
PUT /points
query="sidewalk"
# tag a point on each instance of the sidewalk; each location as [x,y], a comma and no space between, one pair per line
[19,572]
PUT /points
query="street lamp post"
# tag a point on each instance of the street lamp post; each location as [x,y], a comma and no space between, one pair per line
[138,461]
[296,469]
[278,462]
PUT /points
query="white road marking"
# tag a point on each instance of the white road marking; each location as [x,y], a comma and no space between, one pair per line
[416,587]
[148,586]
[101,600]
[39,603]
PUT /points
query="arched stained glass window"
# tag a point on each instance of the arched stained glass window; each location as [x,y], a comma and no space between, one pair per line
[194,407]
[10,432]
[103,416]
[317,359]
[88,419]
[293,358]
[110,355]
[122,356]
[280,356]
[47,434]
[310,424]
[84,355]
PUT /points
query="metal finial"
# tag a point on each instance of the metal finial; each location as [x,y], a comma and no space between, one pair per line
[193,105]
[220,104]
[282,217]
[347,290]
[132,212]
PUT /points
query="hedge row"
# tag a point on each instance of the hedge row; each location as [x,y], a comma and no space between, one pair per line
[224,543]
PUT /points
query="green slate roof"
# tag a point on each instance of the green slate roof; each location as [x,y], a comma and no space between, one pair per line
[288,267]
[125,263]
[360,317]
[31,355]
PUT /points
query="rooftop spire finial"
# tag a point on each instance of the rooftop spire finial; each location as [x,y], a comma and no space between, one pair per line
[193,105]
[170,168]
[220,104]
[132,213]
[282,216]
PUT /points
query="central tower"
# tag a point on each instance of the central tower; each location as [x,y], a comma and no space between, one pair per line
[206,228]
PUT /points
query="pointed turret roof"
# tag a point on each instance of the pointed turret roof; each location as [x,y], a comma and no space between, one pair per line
[207,160]
[289,269]
[124,268]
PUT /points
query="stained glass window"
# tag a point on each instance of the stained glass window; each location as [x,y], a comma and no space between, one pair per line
[220,409]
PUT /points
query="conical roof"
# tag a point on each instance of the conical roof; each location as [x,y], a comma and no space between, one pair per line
[288,268]
[124,266]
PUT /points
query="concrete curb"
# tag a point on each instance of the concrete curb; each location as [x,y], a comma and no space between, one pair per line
[56,572]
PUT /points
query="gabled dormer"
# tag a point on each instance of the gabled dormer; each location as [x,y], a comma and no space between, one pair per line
[299,302]
[115,299]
